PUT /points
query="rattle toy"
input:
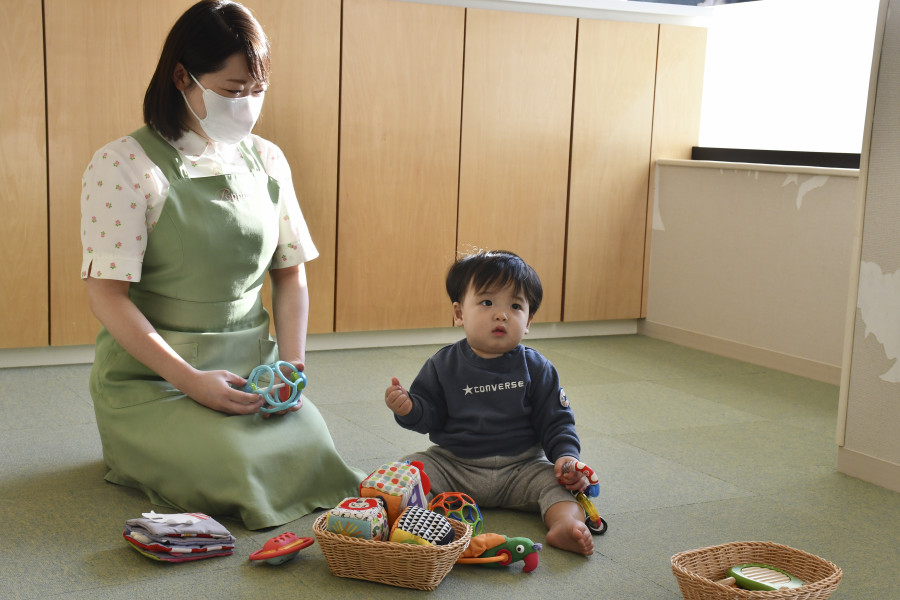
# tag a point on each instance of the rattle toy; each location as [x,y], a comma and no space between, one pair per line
[592,519]
[459,506]
[495,550]
[282,548]
[760,577]
[268,375]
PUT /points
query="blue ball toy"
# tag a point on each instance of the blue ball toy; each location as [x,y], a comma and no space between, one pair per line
[266,379]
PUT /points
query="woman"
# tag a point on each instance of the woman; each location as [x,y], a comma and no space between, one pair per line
[181,221]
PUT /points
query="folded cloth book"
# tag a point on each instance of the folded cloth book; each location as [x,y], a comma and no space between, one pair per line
[178,537]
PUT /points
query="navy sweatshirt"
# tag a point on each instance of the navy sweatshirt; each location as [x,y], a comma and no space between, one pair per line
[477,407]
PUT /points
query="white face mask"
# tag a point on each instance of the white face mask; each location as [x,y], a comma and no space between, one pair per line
[228,120]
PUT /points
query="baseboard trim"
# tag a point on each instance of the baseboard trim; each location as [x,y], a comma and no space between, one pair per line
[868,468]
[795,365]
[46,356]
[68,355]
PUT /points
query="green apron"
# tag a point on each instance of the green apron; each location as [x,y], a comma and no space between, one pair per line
[205,263]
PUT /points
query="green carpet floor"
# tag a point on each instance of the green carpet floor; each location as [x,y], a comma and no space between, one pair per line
[692,450]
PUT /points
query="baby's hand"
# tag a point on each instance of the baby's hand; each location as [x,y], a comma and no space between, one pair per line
[565,472]
[397,399]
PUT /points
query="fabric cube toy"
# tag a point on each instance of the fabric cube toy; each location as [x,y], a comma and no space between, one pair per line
[399,484]
[360,518]
[418,525]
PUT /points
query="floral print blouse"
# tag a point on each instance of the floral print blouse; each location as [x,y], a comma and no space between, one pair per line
[123,193]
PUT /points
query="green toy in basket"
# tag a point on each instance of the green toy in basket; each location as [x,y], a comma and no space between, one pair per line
[763,578]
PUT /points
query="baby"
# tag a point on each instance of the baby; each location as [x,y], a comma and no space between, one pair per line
[501,424]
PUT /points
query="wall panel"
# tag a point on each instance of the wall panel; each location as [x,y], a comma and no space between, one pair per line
[400,112]
[514,159]
[23,171]
[301,115]
[612,124]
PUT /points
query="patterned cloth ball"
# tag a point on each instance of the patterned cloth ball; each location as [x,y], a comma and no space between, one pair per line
[459,506]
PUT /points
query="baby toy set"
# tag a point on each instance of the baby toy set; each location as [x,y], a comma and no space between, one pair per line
[389,533]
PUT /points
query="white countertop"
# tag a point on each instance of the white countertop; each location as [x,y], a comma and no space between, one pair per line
[610,10]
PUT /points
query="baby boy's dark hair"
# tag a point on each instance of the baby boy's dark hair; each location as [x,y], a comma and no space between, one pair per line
[499,268]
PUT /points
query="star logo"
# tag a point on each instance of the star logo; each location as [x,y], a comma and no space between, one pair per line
[467,390]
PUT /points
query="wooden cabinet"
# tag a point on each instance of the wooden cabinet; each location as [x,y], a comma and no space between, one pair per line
[400,119]
[612,124]
[413,131]
[514,156]
[301,115]
[23,173]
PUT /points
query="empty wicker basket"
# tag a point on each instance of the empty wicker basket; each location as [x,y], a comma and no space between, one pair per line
[401,565]
[697,571]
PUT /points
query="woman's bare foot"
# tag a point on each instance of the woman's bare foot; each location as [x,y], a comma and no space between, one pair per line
[567,530]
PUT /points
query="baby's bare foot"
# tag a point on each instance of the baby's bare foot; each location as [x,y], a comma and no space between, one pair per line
[571,535]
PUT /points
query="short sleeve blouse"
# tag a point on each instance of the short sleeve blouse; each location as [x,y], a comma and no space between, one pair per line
[123,193]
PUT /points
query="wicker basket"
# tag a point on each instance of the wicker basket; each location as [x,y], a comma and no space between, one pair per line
[698,570]
[402,565]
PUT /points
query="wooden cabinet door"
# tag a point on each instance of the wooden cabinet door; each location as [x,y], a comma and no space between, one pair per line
[100,57]
[24,319]
[300,114]
[611,130]
[514,157]
[399,148]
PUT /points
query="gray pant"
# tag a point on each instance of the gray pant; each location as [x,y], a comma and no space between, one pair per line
[522,482]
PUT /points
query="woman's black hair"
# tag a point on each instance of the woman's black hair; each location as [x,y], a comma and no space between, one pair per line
[202,40]
[499,268]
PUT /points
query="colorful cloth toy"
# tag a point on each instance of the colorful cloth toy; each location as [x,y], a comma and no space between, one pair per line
[495,550]
[364,518]
[418,525]
[399,484]
[178,537]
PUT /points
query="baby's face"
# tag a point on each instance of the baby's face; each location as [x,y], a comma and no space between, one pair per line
[495,320]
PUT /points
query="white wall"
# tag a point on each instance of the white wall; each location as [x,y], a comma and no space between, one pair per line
[870,392]
[753,262]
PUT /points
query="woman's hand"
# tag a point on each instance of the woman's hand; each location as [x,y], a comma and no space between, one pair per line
[397,399]
[222,391]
